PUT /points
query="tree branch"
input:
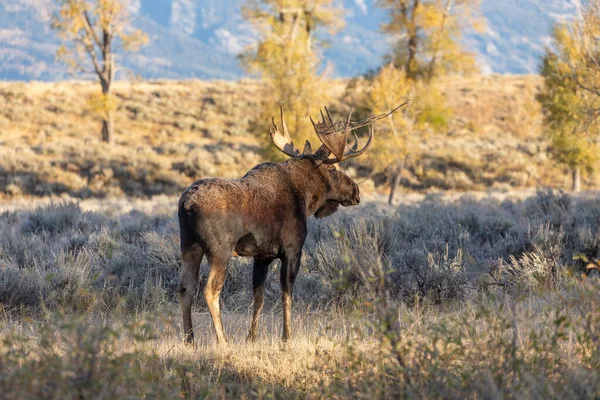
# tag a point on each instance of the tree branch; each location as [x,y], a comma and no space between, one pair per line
[88,41]
[89,28]
[441,32]
[413,32]
[92,53]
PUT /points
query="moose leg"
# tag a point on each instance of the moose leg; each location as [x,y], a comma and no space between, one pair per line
[259,275]
[191,257]
[212,291]
[290,265]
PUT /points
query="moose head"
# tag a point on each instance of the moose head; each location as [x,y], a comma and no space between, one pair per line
[340,188]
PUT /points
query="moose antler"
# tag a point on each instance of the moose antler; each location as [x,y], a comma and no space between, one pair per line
[283,141]
[334,135]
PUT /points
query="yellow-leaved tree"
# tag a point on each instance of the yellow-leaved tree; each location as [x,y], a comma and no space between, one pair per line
[287,59]
[570,94]
[398,140]
[428,34]
[427,46]
[93,31]
[583,52]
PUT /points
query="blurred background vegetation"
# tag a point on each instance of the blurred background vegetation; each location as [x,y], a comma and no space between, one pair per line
[463,131]
[476,284]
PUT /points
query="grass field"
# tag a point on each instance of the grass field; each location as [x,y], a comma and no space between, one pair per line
[444,296]
[476,285]
[172,133]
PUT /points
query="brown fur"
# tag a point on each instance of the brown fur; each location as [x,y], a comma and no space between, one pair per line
[262,215]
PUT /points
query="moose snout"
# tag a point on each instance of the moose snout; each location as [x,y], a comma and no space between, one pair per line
[356,196]
[352,199]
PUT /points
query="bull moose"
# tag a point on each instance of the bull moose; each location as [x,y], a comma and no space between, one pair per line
[264,215]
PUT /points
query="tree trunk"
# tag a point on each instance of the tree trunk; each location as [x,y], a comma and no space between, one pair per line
[413,37]
[108,123]
[107,75]
[576,184]
[394,186]
[108,127]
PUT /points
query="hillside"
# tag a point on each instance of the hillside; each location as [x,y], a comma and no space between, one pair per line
[200,39]
[170,133]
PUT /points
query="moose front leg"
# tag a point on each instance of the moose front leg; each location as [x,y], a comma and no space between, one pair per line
[290,265]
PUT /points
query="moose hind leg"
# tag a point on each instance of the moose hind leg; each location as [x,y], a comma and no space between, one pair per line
[259,275]
[212,292]
[290,265]
[191,258]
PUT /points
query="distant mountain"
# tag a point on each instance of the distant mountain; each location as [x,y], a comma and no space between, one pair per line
[200,39]
[517,33]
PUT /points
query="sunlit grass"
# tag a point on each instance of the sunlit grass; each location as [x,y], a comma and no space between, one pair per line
[438,298]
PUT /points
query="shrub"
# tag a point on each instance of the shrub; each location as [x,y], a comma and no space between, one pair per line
[436,250]
[81,360]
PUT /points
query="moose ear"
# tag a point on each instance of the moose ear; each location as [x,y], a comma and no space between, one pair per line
[307,149]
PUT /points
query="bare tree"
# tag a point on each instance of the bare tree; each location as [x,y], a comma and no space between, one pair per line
[92,31]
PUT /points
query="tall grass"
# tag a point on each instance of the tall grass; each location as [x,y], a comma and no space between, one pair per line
[452,299]
[64,257]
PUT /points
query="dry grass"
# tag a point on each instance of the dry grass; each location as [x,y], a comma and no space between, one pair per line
[445,296]
[171,133]
[543,346]
[168,134]
[495,138]
[267,365]
[441,297]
